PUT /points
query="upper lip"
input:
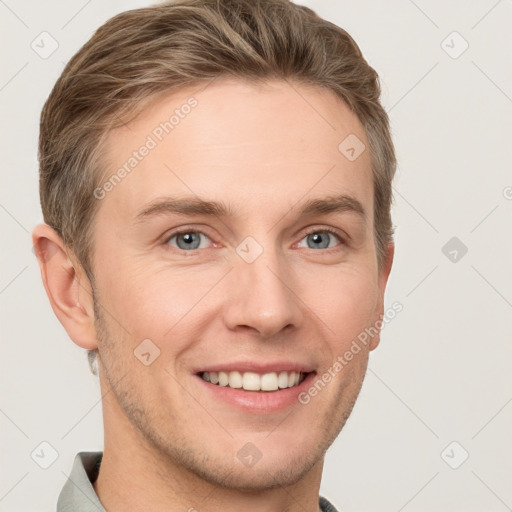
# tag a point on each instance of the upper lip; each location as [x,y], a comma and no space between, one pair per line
[257,367]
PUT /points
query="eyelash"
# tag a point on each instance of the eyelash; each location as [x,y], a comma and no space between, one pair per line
[332,231]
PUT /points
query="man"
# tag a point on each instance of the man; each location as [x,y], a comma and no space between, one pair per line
[216,188]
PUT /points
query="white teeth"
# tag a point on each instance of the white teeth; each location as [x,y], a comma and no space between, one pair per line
[252,381]
[223,378]
[269,382]
[235,380]
[282,380]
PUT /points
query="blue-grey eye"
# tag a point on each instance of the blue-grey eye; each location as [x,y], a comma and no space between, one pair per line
[189,240]
[321,240]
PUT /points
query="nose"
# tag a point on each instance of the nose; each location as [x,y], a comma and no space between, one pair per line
[263,296]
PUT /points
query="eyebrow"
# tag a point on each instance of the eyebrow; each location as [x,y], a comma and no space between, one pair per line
[196,206]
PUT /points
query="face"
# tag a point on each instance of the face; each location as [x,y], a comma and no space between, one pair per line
[239,246]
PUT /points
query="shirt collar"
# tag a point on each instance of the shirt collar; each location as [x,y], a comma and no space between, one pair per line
[78,493]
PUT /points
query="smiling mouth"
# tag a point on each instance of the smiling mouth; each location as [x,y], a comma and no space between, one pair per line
[252,381]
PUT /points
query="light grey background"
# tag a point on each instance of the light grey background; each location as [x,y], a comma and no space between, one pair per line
[442,371]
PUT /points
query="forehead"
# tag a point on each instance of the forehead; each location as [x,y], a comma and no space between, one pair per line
[263,147]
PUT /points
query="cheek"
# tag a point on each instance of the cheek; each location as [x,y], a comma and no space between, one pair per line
[160,305]
[346,302]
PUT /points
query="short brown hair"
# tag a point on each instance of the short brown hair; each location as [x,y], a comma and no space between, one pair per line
[141,53]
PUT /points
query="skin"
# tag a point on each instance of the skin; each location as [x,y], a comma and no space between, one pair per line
[263,150]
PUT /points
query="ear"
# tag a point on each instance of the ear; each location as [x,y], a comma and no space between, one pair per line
[382,282]
[66,285]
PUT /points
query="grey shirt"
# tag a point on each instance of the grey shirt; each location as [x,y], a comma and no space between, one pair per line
[78,494]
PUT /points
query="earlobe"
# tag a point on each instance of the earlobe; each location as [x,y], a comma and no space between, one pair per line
[67,286]
[382,280]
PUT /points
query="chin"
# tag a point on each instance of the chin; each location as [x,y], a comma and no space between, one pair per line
[275,472]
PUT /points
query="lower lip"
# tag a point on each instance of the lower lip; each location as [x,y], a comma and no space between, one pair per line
[258,401]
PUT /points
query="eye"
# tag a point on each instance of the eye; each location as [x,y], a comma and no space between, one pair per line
[188,240]
[321,239]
